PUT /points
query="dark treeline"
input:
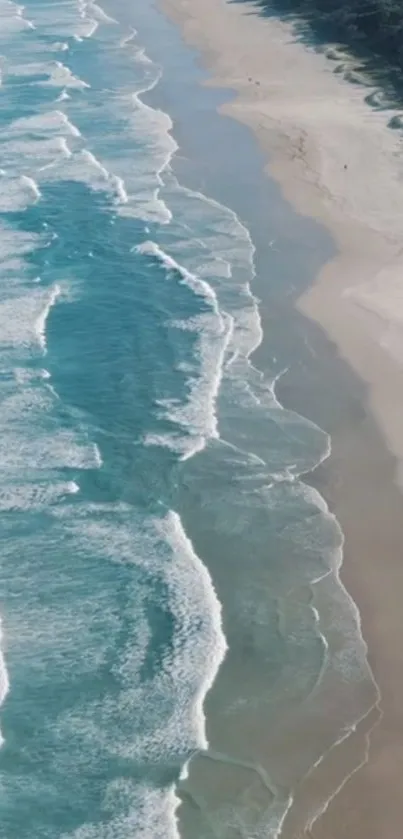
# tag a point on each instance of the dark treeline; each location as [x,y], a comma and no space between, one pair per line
[373,25]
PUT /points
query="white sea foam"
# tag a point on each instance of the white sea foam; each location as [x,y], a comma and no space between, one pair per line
[153,128]
[67,125]
[40,48]
[92,26]
[196,416]
[59,46]
[199,286]
[55,72]
[14,244]
[40,324]
[161,551]
[32,185]
[127,39]
[113,183]
[70,20]
[18,316]
[63,96]
[61,76]
[122,196]
[30,394]
[11,22]
[4,680]
[136,191]
[64,147]
[150,130]
[25,375]
[143,811]
[92,160]
[225,251]
[47,124]
[193,602]
[34,496]
[83,166]
[97,12]
[47,452]
[17,194]
[30,157]
[92,16]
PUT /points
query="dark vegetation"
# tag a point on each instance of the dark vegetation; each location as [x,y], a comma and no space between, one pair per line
[368,27]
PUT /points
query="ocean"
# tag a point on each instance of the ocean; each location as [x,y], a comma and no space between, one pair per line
[171,608]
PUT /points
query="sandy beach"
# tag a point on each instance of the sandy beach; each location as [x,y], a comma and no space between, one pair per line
[338,162]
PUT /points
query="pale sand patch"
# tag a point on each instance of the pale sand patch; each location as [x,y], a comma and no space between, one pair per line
[313,124]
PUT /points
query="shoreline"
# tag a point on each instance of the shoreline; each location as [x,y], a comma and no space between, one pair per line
[358,316]
[365,227]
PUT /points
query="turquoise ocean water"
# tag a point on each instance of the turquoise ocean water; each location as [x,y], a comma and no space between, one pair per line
[152,518]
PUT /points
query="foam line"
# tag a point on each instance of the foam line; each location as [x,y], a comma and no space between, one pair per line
[199,286]
[128,38]
[4,679]
[40,326]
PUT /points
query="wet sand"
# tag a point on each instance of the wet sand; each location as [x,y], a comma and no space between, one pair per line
[313,123]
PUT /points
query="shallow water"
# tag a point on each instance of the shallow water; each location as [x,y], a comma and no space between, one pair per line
[154,524]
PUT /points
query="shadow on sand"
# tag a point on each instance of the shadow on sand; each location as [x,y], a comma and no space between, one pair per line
[351,55]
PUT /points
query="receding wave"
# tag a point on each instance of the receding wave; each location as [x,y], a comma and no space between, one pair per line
[197,415]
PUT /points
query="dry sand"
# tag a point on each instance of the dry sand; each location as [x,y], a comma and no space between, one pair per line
[314,122]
